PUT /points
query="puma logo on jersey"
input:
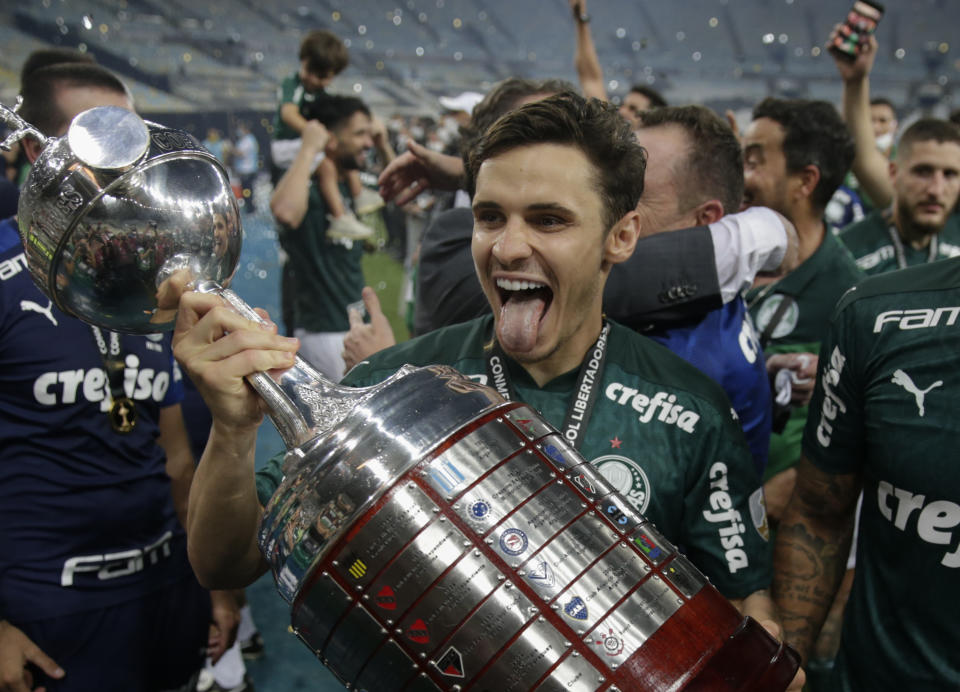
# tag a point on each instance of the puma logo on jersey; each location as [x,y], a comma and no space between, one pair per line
[920,318]
[29,305]
[903,379]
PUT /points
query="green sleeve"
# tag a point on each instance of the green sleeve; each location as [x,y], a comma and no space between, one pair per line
[269,477]
[834,436]
[725,532]
[287,89]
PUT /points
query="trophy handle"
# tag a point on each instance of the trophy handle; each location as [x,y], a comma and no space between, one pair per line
[302,402]
[19,127]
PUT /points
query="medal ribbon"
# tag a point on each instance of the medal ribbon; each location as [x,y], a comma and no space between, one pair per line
[898,250]
[123,412]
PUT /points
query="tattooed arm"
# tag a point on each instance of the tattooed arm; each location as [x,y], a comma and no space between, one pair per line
[810,554]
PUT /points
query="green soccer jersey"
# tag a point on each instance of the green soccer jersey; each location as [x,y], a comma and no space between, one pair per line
[812,291]
[877,247]
[661,432]
[327,273]
[292,91]
[885,408]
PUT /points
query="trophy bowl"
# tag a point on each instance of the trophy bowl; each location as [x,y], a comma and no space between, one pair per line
[119,213]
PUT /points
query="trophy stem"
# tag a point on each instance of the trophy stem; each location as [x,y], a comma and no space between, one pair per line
[302,402]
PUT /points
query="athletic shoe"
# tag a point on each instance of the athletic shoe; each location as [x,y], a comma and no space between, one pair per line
[367,202]
[347,227]
[252,648]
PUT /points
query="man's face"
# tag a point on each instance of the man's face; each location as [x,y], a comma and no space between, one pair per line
[311,80]
[926,184]
[883,118]
[221,235]
[540,249]
[634,103]
[353,138]
[70,101]
[765,167]
[668,148]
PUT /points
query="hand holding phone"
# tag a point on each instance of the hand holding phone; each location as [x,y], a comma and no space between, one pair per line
[856,30]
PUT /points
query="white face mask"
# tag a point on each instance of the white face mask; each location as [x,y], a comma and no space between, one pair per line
[884,141]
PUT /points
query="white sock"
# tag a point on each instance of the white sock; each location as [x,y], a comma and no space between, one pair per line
[247,627]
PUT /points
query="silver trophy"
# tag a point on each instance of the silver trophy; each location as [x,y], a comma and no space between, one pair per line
[428,535]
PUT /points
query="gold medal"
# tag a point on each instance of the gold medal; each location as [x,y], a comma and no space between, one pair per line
[123,415]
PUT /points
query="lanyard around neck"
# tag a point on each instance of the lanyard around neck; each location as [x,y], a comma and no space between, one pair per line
[584,396]
[898,248]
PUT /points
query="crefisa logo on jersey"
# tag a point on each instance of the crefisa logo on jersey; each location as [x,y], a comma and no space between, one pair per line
[832,404]
[627,477]
[662,406]
[69,386]
[729,522]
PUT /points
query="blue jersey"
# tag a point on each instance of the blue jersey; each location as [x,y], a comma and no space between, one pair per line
[86,515]
[724,345]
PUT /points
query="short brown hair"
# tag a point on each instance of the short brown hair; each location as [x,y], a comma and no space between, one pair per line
[51,56]
[324,53]
[714,167]
[926,130]
[41,85]
[813,135]
[594,127]
[503,98]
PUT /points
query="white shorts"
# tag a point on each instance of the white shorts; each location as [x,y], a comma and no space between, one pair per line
[284,151]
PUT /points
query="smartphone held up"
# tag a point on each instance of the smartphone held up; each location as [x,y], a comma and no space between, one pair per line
[856,29]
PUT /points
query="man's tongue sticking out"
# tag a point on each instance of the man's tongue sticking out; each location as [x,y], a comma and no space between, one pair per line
[519,322]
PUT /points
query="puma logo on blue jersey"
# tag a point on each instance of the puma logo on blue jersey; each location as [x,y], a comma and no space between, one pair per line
[30,306]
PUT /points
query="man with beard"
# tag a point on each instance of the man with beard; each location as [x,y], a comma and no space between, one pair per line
[555,186]
[796,154]
[672,278]
[918,226]
[326,267]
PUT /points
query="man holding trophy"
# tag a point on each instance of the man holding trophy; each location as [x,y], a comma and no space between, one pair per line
[549,225]
[95,588]
[385,492]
